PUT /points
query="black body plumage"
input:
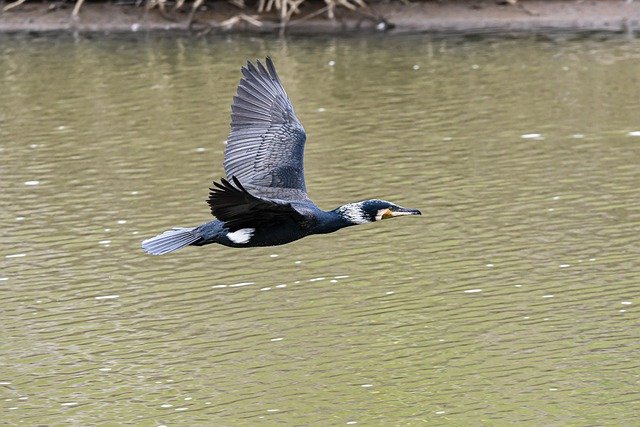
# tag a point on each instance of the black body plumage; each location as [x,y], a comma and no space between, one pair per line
[264,201]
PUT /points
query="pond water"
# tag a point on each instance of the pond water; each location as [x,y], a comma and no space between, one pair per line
[513,300]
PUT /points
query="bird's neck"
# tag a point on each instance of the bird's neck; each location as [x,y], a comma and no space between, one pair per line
[341,217]
[352,213]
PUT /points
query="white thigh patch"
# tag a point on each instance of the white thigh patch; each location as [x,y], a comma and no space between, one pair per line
[241,236]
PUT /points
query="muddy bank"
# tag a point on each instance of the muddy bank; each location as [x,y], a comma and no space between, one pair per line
[482,16]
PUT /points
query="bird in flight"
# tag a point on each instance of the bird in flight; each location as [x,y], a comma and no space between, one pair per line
[264,201]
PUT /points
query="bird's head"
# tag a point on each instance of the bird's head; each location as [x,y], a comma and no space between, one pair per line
[373,210]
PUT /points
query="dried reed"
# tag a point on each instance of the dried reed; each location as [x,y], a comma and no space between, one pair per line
[285,9]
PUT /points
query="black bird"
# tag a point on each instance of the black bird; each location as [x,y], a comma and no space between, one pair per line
[263,201]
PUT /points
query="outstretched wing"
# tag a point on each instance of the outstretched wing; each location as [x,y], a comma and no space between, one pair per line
[234,205]
[265,148]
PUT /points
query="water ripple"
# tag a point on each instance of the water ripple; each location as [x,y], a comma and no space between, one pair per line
[512,300]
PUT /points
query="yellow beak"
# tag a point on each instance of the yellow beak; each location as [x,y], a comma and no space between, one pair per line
[388,213]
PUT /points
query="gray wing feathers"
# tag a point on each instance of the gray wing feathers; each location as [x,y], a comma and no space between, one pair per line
[266,145]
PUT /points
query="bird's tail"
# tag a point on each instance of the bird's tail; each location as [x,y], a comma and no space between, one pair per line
[170,240]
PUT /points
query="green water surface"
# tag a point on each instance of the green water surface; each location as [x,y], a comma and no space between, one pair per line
[513,300]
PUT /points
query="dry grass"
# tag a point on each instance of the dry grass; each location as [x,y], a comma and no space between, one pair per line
[285,9]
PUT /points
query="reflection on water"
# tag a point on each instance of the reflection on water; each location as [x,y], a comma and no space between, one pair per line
[510,301]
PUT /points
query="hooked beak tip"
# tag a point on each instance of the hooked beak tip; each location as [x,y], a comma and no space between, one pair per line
[406,211]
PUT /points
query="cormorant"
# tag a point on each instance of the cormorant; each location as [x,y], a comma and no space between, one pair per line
[263,201]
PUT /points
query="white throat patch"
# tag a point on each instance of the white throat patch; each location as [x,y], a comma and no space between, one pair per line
[241,236]
[353,212]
